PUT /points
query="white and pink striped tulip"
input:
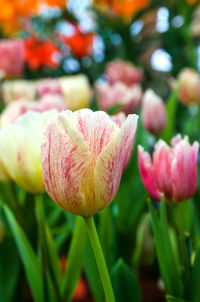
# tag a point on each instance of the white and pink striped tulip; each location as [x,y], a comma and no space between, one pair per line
[83,157]
[172,171]
[16,109]
[122,71]
[154,115]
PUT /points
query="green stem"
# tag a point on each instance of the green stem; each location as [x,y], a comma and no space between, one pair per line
[96,246]
[182,244]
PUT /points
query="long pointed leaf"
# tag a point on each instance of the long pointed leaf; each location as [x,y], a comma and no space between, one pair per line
[28,257]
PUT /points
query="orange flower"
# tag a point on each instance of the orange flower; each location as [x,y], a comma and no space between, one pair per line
[13,13]
[80,43]
[39,53]
[122,8]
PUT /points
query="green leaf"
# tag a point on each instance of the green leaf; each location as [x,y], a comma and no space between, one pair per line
[92,273]
[53,256]
[28,257]
[106,234]
[125,284]
[9,269]
[174,299]
[195,280]
[171,107]
[171,261]
[160,247]
[75,260]
[114,109]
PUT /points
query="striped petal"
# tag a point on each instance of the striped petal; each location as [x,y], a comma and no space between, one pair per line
[111,163]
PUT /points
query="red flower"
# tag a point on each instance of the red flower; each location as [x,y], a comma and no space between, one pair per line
[40,53]
[80,43]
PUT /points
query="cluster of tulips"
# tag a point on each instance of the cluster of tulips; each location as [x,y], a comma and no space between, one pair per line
[78,158]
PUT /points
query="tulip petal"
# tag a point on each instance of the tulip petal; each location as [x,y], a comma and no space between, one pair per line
[146,172]
[65,160]
[20,150]
[97,129]
[111,163]
[162,162]
[184,170]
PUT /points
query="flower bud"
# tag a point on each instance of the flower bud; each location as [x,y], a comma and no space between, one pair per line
[119,94]
[20,149]
[172,171]
[154,116]
[189,83]
[76,91]
[83,166]
[125,72]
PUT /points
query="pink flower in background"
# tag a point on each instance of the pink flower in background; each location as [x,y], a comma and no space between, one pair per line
[189,85]
[128,97]
[172,170]
[11,57]
[48,86]
[83,166]
[51,101]
[16,109]
[154,115]
[121,71]
[118,118]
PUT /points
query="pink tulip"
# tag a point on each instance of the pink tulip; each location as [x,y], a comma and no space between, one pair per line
[172,171]
[11,57]
[154,114]
[48,86]
[83,156]
[189,83]
[118,118]
[128,97]
[51,101]
[16,109]
[121,71]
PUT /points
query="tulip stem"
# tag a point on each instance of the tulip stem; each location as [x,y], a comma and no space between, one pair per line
[103,271]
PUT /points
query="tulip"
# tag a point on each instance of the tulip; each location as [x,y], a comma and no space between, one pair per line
[48,86]
[15,90]
[83,156]
[154,115]
[119,94]
[76,91]
[189,83]
[20,150]
[12,57]
[118,118]
[16,109]
[51,101]
[172,171]
[125,72]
